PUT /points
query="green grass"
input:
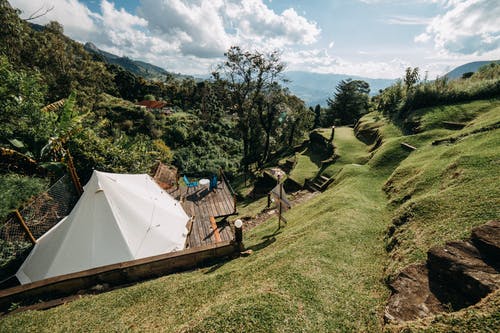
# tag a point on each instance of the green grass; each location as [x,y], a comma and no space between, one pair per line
[439,193]
[348,148]
[308,165]
[323,272]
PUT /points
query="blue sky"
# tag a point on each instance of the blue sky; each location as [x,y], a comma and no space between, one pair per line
[372,38]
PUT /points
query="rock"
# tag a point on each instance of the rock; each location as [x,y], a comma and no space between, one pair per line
[411,296]
[487,240]
[458,274]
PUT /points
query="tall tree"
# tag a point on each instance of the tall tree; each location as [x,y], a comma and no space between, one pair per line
[317,116]
[349,103]
[412,76]
[250,79]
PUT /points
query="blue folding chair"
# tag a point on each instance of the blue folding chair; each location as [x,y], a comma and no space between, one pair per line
[213,183]
[188,183]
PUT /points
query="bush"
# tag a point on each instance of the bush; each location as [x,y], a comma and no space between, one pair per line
[16,189]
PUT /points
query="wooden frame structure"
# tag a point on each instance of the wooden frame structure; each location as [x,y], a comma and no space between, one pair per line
[207,240]
[115,274]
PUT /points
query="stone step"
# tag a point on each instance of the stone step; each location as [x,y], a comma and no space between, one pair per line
[486,238]
[458,274]
[411,296]
[325,179]
[314,186]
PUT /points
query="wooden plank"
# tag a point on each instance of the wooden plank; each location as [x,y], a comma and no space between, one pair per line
[407,146]
[114,274]
[228,201]
[215,229]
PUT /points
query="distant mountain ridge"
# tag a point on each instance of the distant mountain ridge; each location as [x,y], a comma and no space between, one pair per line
[316,88]
[466,68]
[137,67]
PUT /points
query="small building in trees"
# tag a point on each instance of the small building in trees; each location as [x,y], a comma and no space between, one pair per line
[155,106]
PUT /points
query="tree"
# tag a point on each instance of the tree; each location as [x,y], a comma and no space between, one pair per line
[317,116]
[412,76]
[349,103]
[251,81]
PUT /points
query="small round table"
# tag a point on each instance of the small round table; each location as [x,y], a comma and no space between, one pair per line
[204,182]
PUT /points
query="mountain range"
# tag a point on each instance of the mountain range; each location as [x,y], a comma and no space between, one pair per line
[137,67]
[312,88]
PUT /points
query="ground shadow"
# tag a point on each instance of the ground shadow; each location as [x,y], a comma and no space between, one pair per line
[262,245]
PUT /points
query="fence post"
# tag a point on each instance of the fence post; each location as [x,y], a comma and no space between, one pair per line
[73,174]
[238,233]
[25,226]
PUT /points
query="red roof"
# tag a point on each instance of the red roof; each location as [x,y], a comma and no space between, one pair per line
[152,104]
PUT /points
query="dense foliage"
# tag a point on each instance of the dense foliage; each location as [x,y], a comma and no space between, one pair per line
[399,100]
[56,98]
[268,117]
[349,103]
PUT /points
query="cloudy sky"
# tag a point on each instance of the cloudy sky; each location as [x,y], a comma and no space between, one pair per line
[371,38]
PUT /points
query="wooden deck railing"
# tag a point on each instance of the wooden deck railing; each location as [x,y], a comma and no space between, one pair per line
[224,179]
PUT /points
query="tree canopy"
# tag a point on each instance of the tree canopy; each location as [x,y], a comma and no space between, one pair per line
[349,102]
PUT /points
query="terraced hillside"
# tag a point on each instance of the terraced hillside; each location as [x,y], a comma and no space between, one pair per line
[327,270]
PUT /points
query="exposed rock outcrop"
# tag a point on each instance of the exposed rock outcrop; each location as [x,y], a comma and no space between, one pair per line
[455,276]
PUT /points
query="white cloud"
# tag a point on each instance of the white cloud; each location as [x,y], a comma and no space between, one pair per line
[470,27]
[320,61]
[255,23]
[63,11]
[173,32]
[198,28]
[408,20]
[207,28]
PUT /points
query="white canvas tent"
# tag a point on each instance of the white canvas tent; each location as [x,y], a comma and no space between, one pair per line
[118,218]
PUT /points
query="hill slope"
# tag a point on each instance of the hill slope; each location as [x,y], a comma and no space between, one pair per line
[325,270]
[465,68]
[136,67]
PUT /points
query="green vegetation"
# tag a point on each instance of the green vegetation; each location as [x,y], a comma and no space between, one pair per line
[308,164]
[323,272]
[348,149]
[349,103]
[326,269]
[402,98]
[435,190]
[17,190]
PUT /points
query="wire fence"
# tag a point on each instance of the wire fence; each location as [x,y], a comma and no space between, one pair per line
[39,214]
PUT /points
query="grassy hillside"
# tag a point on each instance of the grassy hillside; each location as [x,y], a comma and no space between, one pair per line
[325,270]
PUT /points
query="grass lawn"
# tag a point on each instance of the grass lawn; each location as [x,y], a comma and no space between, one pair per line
[323,272]
[350,150]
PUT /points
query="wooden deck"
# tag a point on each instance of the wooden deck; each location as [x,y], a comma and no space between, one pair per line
[204,204]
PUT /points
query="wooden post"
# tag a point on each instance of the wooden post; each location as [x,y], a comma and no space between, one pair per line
[238,232]
[333,133]
[268,200]
[25,226]
[279,202]
[73,174]
[234,200]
